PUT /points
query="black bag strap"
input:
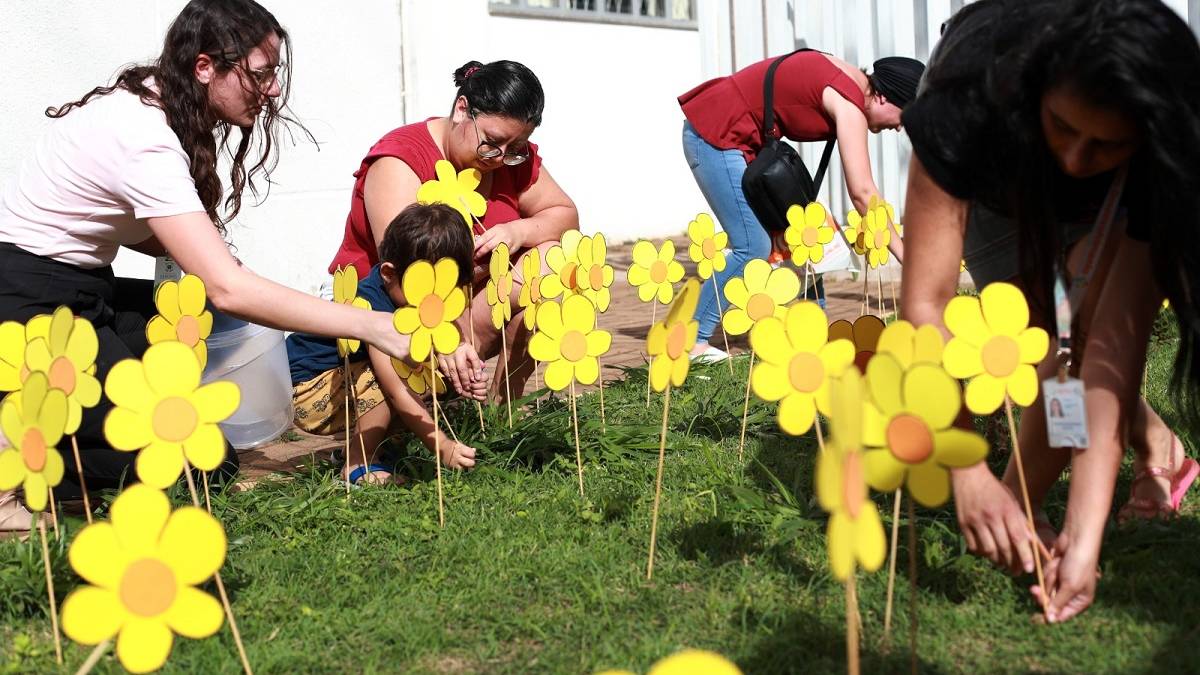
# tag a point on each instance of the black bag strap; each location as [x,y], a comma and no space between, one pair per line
[769,114]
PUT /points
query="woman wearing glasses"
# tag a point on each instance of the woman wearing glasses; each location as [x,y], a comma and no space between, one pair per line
[135,164]
[496,109]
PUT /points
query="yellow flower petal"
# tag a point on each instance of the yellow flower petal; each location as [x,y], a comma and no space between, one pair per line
[194,614]
[192,295]
[138,515]
[964,319]
[807,327]
[587,370]
[928,345]
[205,448]
[127,430]
[406,320]
[12,469]
[694,662]
[36,491]
[543,348]
[166,300]
[959,448]
[783,286]
[171,369]
[660,372]
[417,282]
[884,381]
[96,555]
[1033,344]
[144,644]
[92,615]
[984,394]
[736,321]
[558,375]
[679,370]
[962,359]
[769,339]
[598,342]
[870,540]
[1023,385]
[796,413]
[160,464]
[192,545]
[929,484]
[883,471]
[446,338]
[932,395]
[52,473]
[82,345]
[840,541]
[1004,309]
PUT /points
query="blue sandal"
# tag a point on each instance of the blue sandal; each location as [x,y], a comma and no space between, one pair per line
[358,473]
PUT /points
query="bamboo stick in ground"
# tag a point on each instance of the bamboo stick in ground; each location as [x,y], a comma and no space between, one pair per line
[1033,541]
[662,450]
[41,525]
[87,506]
[891,582]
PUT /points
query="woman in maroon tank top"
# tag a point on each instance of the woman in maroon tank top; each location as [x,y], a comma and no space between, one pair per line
[496,109]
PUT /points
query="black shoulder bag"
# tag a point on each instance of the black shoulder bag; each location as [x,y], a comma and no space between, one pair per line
[777,178]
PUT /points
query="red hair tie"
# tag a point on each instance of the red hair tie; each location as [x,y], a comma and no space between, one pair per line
[470,72]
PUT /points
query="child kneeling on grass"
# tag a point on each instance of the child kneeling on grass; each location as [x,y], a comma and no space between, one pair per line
[420,232]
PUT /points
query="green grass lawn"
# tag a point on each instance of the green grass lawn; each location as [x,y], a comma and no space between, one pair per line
[528,577]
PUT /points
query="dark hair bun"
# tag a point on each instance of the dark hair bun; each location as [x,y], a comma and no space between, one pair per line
[465,71]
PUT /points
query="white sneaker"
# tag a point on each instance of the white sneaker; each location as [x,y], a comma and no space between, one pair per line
[711,355]
[14,517]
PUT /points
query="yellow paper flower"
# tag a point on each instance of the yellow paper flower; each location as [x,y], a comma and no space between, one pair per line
[863,333]
[456,190]
[909,430]
[670,342]
[796,360]
[595,275]
[707,249]
[568,342]
[995,347]
[345,292]
[161,408]
[760,292]
[687,662]
[33,420]
[910,345]
[870,236]
[434,302]
[142,571]
[563,261]
[807,233]
[531,293]
[654,271]
[499,286]
[419,378]
[64,348]
[854,533]
[182,316]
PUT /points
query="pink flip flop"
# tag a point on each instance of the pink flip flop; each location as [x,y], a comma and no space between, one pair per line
[1181,481]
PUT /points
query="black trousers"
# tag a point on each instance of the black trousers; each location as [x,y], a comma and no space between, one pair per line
[119,309]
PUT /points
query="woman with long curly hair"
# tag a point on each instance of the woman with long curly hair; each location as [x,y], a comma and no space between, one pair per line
[134,164]
[1032,115]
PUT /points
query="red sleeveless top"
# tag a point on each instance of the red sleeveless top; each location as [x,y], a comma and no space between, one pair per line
[728,111]
[413,145]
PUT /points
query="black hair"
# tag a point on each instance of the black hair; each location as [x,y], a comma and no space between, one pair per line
[429,232]
[1136,57]
[226,31]
[504,88]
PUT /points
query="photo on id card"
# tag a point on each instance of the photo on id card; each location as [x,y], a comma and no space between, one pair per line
[1066,413]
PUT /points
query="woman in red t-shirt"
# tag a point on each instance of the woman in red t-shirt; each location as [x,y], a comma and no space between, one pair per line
[816,97]
[496,109]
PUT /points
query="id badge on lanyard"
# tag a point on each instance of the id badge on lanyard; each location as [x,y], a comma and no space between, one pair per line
[1064,396]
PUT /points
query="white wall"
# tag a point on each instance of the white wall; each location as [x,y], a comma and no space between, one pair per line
[610,134]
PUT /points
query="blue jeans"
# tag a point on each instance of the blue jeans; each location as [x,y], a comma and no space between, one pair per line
[719,175]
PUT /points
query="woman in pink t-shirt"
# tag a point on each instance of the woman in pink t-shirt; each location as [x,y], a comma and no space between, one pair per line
[496,109]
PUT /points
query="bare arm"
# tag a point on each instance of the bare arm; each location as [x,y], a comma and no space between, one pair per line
[391,185]
[852,132]
[193,242]
[149,246]
[546,213]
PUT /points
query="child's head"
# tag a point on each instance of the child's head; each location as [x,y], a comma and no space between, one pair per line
[424,232]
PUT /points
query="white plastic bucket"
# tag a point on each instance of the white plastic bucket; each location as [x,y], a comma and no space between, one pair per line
[255,358]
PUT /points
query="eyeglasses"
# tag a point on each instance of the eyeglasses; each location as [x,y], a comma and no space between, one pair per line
[264,78]
[491,151]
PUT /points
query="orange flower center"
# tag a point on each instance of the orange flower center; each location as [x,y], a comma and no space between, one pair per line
[809,236]
[174,419]
[1001,356]
[909,439]
[62,375]
[860,242]
[879,240]
[567,276]
[709,248]
[676,340]
[148,588]
[187,330]
[33,450]
[854,486]
[535,292]
[805,371]
[431,310]
[760,306]
[574,345]
[596,277]
[658,272]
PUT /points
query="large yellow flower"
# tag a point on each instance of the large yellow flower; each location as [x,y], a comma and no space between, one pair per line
[995,347]
[595,275]
[435,301]
[863,333]
[65,347]
[910,345]
[142,571]
[345,292]
[796,360]
[161,408]
[531,290]
[418,377]
[568,342]
[807,233]
[760,292]
[855,533]
[499,286]
[687,662]
[707,247]
[182,316]
[33,420]
[563,261]
[457,189]
[909,430]
[670,342]
[654,271]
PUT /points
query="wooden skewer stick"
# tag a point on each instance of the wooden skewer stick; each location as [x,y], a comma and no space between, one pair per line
[720,313]
[93,658]
[41,524]
[437,448]
[87,505]
[745,410]
[505,364]
[207,499]
[362,446]
[578,451]
[653,320]
[54,515]
[662,450]
[852,665]
[1016,450]
[912,585]
[891,583]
